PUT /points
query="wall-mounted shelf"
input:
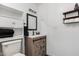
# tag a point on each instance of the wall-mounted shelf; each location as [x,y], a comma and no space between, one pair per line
[71,16]
[70,12]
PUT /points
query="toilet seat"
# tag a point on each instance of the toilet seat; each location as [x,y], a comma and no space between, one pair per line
[18,54]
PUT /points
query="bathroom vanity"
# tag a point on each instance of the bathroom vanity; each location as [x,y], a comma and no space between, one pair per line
[35,45]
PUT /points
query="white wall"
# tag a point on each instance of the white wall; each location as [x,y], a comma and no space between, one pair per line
[62,39]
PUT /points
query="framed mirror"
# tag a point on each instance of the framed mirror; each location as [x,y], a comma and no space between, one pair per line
[31,22]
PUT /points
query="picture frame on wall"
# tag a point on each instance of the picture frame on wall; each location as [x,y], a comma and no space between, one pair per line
[31,22]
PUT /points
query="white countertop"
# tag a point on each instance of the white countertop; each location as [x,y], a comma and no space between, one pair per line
[11,38]
[36,36]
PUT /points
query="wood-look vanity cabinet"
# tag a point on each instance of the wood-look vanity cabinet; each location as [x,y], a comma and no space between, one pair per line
[35,46]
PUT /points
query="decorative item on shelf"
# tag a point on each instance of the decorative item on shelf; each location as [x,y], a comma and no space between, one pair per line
[76,7]
[71,16]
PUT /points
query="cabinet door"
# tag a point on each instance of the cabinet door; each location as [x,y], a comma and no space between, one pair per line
[37,48]
[40,47]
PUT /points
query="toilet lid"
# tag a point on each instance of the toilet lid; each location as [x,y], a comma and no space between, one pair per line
[18,54]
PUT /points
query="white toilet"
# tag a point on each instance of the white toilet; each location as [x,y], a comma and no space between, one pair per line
[12,48]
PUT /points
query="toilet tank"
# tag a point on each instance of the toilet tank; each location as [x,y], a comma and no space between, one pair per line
[11,47]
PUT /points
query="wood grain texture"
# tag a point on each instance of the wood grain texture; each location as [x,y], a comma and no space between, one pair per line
[35,46]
